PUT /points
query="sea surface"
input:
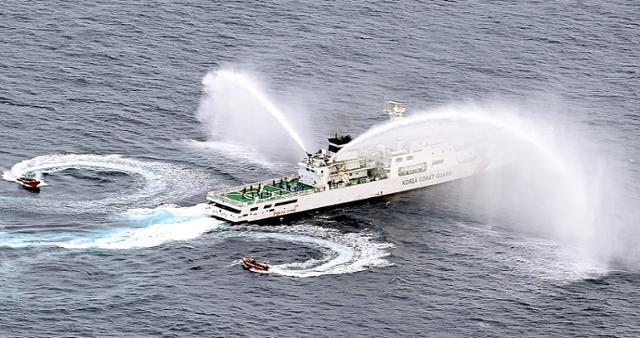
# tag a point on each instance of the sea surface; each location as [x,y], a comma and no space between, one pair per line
[104,101]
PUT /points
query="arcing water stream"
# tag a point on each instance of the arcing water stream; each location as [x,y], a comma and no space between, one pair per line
[149,227]
[545,165]
[235,100]
[548,187]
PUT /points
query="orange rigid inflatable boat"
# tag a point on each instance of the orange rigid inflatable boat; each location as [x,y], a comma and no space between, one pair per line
[28,183]
[250,263]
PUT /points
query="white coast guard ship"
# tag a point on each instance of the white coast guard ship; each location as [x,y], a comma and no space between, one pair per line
[323,181]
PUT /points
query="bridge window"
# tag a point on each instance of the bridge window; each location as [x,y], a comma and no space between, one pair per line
[412,169]
[437,162]
[285,202]
[228,208]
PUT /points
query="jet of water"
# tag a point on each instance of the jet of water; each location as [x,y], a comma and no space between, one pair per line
[464,122]
[246,83]
[550,185]
[460,118]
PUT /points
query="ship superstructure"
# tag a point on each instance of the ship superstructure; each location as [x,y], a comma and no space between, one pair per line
[324,180]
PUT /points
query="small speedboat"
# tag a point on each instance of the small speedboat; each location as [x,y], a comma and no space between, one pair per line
[29,183]
[250,263]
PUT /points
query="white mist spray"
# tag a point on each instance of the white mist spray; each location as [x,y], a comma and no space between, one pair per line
[236,109]
[547,183]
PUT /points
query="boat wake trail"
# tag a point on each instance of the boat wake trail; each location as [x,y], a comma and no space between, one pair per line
[342,252]
[152,182]
[145,228]
[153,228]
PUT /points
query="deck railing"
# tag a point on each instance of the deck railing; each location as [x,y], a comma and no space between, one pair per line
[220,195]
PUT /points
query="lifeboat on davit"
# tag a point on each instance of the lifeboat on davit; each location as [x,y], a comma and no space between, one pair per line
[29,183]
[251,264]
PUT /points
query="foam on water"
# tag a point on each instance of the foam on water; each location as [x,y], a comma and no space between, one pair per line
[155,182]
[343,252]
[146,228]
[150,236]
[150,227]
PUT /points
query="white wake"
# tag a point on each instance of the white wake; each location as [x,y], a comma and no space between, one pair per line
[154,182]
[146,228]
[342,252]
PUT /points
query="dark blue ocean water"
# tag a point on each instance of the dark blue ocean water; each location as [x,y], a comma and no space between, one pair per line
[102,98]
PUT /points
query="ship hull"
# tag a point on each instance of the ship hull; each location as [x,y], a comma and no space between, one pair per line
[292,217]
[272,212]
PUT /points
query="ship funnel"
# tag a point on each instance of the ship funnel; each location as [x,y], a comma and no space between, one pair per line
[337,142]
[394,109]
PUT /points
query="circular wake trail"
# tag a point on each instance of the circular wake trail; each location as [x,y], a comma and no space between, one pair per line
[154,182]
[168,224]
[145,228]
[343,252]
